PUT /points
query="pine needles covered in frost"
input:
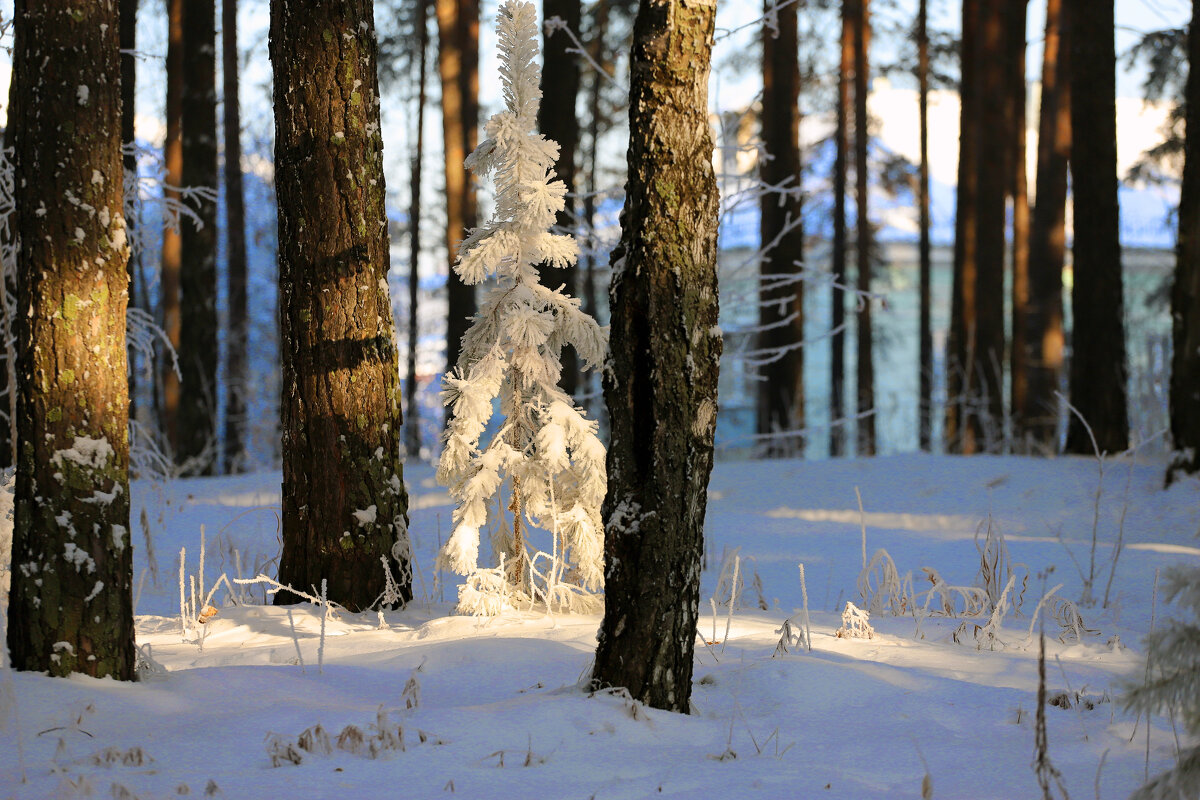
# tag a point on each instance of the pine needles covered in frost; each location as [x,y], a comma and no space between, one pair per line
[545,446]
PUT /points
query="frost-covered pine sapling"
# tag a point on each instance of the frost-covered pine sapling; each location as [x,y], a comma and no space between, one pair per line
[545,445]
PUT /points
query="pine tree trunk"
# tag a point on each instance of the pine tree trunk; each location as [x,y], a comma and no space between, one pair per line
[128,10]
[1020,349]
[1098,372]
[781,288]
[235,224]
[198,353]
[661,379]
[837,361]
[925,333]
[865,382]
[458,64]
[1047,238]
[344,502]
[172,242]
[960,344]
[1185,295]
[985,382]
[71,605]
[557,121]
[412,427]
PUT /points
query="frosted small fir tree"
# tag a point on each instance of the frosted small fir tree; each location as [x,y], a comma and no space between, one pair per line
[1173,685]
[545,447]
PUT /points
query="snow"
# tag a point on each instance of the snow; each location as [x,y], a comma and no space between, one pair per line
[854,715]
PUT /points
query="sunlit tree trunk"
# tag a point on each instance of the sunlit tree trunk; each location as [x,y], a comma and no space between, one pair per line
[412,427]
[1047,238]
[925,334]
[235,222]
[172,242]
[781,289]
[344,503]
[661,378]
[1019,350]
[1098,371]
[865,383]
[70,603]
[837,361]
[1185,296]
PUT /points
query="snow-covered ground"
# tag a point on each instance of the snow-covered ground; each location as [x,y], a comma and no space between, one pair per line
[493,707]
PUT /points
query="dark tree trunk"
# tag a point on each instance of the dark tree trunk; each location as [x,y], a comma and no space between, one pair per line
[344,503]
[458,64]
[412,428]
[71,605]
[985,382]
[1020,349]
[198,354]
[596,47]
[837,361]
[781,288]
[661,380]
[1185,296]
[557,121]
[1098,373]
[1047,238]
[960,344]
[128,11]
[865,383]
[235,223]
[925,333]
[172,243]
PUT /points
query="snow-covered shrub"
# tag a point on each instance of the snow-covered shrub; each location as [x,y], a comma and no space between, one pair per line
[545,446]
[1173,683]
[856,624]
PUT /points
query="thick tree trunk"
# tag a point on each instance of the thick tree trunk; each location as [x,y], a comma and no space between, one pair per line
[235,223]
[172,243]
[985,382]
[865,383]
[925,332]
[960,344]
[1098,372]
[781,287]
[412,427]
[661,379]
[70,605]
[198,353]
[458,64]
[837,362]
[1185,296]
[1047,238]
[557,121]
[344,503]
[1020,349]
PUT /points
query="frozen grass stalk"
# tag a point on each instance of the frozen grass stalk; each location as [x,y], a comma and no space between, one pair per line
[804,595]
[324,617]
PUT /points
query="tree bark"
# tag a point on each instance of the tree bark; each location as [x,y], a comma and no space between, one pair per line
[557,121]
[235,223]
[198,353]
[985,381]
[172,242]
[1020,350]
[458,64]
[781,286]
[344,503]
[70,605]
[1047,238]
[661,379]
[412,428]
[1185,295]
[960,344]
[865,383]
[837,361]
[924,333]
[1098,371]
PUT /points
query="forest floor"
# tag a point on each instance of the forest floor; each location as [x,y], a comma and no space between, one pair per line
[446,705]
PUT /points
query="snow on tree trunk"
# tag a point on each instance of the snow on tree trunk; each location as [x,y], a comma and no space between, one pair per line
[70,602]
[545,444]
[661,379]
[344,503]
